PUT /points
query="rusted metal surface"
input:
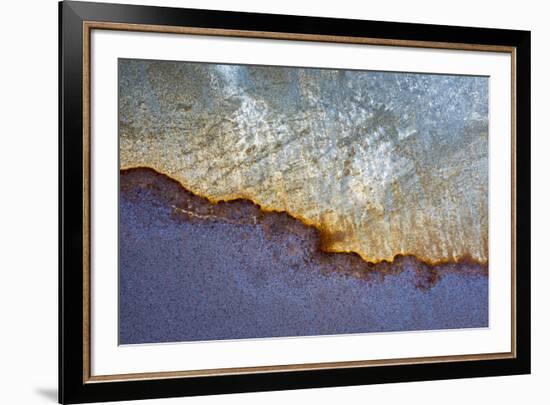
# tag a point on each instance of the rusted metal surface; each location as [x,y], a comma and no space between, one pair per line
[191,270]
[385,165]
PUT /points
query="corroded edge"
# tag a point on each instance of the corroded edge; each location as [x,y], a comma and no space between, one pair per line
[466,259]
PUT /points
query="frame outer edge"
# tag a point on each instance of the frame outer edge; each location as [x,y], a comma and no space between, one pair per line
[72,354]
[60,208]
[70,206]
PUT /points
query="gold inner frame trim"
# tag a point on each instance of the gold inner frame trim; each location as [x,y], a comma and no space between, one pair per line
[86,248]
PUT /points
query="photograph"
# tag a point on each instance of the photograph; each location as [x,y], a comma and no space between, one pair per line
[264,202]
[267,201]
[291,202]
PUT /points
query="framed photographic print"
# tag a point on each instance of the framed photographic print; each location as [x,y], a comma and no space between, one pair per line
[256,202]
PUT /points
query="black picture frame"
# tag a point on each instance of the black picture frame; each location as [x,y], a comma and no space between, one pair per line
[73,384]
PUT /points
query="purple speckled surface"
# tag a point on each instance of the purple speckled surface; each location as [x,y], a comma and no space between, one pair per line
[189,280]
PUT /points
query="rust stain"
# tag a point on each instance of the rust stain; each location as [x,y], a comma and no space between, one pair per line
[189,206]
[383,165]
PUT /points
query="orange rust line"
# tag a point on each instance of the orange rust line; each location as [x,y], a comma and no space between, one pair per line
[465,259]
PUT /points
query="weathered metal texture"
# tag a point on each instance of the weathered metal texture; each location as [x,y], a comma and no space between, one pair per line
[382,164]
[193,270]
